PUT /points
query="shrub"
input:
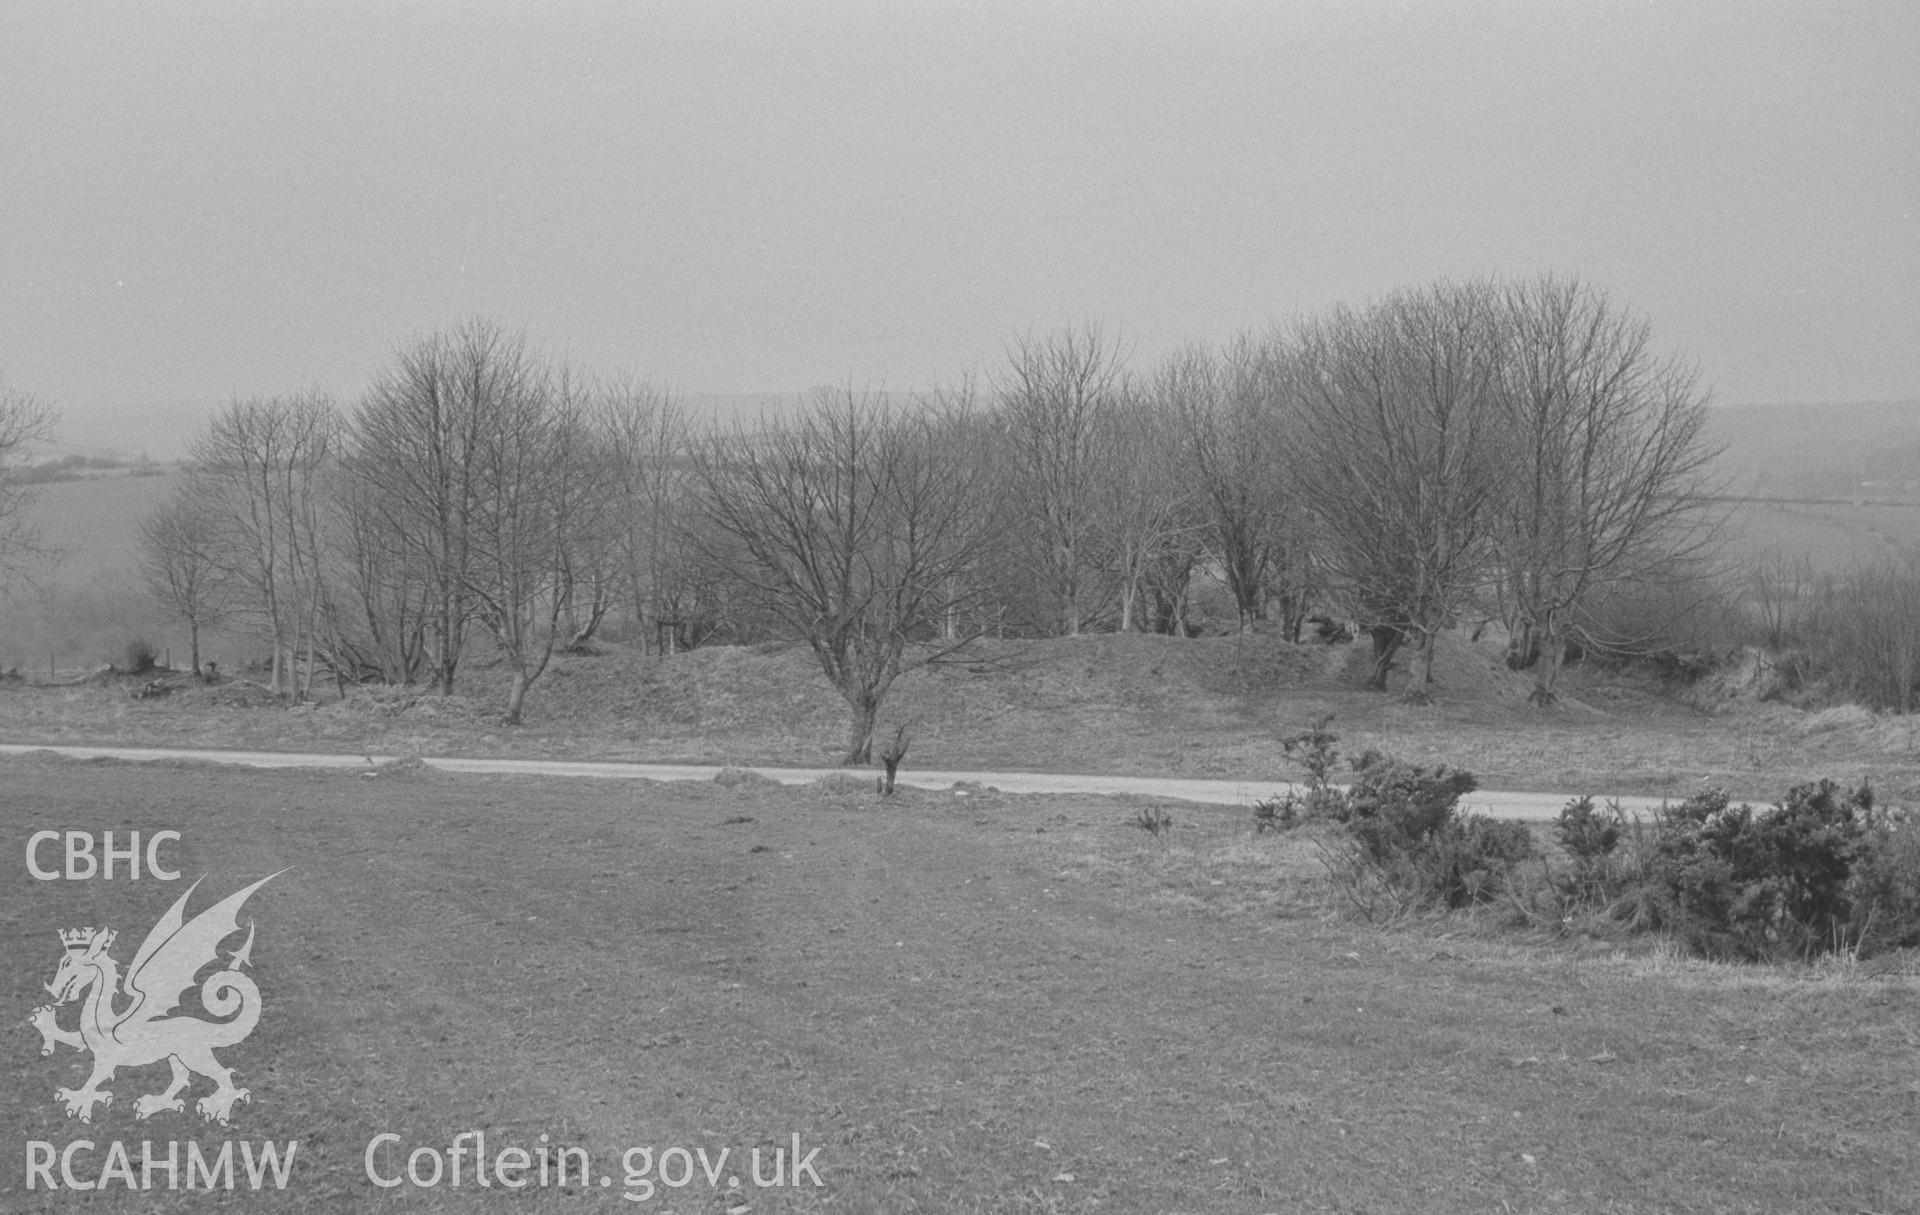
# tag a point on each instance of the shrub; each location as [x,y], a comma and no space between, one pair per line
[1281,812]
[1609,867]
[1591,839]
[1409,843]
[1825,870]
[1588,835]
[1470,860]
[1733,883]
[1394,807]
[1854,636]
[1316,750]
[1676,619]
[1884,886]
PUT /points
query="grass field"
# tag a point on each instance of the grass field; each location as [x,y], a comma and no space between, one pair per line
[1831,536]
[965,1002]
[94,524]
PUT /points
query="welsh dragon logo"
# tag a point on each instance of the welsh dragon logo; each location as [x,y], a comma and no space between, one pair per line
[141,1032]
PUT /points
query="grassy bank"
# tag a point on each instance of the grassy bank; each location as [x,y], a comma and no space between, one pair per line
[1130,705]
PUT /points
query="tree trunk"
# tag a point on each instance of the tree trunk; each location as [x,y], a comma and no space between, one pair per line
[891,755]
[1420,671]
[517,696]
[1386,643]
[860,734]
[446,647]
[1523,647]
[193,644]
[1543,695]
[305,691]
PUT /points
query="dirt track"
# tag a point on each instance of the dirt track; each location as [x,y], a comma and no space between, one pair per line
[1530,806]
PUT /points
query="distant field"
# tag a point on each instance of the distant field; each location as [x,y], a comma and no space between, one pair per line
[95,524]
[1832,536]
[1820,451]
[80,610]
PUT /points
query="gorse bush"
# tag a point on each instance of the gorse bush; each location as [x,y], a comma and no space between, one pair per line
[1315,749]
[1739,884]
[1885,883]
[1824,871]
[1281,812]
[1410,848]
[1394,807]
[1588,835]
[1470,859]
[1607,870]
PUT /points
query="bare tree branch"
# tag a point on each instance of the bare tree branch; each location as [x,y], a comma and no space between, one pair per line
[860,529]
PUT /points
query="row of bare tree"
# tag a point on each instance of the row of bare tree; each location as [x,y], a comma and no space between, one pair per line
[477,486]
[1516,447]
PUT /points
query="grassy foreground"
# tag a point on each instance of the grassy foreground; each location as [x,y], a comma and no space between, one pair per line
[965,1001]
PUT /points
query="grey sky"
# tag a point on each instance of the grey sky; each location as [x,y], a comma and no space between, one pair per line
[208,200]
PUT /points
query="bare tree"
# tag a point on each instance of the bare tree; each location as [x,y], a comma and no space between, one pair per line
[378,621]
[1783,592]
[1232,411]
[1168,585]
[23,422]
[854,523]
[180,563]
[543,487]
[1604,467]
[1143,506]
[1397,452]
[257,473]
[421,433]
[1056,397]
[647,432]
[993,592]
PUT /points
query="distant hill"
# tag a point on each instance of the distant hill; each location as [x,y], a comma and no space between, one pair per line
[1866,450]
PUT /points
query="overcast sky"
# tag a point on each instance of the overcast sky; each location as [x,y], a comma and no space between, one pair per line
[201,201]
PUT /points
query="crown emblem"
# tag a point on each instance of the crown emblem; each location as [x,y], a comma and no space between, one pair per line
[82,938]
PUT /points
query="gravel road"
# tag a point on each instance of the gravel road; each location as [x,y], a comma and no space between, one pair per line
[1530,806]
